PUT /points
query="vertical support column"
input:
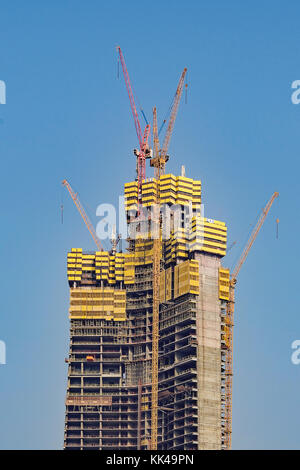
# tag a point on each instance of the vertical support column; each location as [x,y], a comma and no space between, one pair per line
[155,318]
[155,338]
[208,323]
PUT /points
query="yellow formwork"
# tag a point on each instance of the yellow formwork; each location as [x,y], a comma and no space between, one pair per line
[168,284]
[149,192]
[204,235]
[98,302]
[224,279]
[119,266]
[186,278]
[172,189]
[184,281]
[179,190]
[208,235]
[177,247]
[176,283]
[131,195]
[74,265]
[165,285]
[129,269]
[102,265]
[143,257]
[107,267]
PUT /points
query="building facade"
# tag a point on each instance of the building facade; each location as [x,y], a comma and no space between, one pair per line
[108,402]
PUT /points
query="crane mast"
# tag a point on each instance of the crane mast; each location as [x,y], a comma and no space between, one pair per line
[155,281]
[143,151]
[229,322]
[83,214]
[156,145]
[160,155]
[158,162]
[155,322]
[173,114]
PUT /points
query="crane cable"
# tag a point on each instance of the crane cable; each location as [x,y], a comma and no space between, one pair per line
[170,108]
[134,92]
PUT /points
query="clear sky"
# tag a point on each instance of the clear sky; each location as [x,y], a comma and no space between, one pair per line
[67,116]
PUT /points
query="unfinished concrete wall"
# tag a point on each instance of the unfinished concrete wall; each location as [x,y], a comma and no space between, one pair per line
[209,355]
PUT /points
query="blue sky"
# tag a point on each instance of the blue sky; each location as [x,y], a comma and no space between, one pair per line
[67,116]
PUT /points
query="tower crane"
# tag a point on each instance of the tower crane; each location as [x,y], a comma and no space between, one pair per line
[229,321]
[158,162]
[83,214]
[143,152]
[157,166]
[161,157]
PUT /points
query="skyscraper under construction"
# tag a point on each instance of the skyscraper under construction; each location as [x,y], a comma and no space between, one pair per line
[151,329]
[148,332]
[108,403]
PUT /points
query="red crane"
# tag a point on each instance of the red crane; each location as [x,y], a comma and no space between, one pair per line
[143,152]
